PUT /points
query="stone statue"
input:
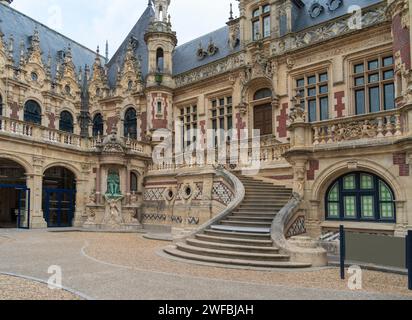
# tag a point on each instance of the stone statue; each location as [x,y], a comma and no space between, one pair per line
[113,184]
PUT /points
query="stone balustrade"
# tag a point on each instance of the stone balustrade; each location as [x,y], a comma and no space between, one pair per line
[387,124]
[21,129]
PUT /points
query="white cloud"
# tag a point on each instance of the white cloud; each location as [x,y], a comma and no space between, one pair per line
[93,22]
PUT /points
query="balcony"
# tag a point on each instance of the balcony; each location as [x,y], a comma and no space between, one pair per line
[35,133]
[368,129]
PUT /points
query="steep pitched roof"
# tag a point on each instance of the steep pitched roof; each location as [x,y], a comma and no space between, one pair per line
[137,36]
[13,22]
[302,18]
[185,56]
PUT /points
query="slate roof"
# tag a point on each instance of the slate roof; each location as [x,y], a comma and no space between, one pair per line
[185,57]
[13,22]
[137,33]
[303,20]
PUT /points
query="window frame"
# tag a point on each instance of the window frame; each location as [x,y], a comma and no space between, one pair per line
[95,131]
[32,117]
[318,97]
[189,111]
[130,123]
[367,85]
[66,126]
[260,18]
[359,195]
[217,115]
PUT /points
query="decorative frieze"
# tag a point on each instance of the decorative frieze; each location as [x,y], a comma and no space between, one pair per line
[230,63]
[328,31]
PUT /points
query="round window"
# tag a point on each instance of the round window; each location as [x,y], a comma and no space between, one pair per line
[34,76]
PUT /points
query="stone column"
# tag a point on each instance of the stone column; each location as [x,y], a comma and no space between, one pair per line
[35,184]
[401,219]
[98,186]
[82,193]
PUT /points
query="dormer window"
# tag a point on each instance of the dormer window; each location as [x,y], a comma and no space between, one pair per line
[261,22]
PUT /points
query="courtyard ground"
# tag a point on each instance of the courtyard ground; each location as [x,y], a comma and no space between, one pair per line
[127,266]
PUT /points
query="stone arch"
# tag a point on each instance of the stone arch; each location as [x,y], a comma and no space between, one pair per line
[37,101]
[326,178]
[68,166]
[21,161]
[256,84]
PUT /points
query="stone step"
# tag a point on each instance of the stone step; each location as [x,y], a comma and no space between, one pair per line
[234,240]
[266,193]
[258,209]
[237,262]
[251,218]
[232,254]
[270,215]
[267,202]
[262,184]
[238,235]
[232,247]
[261,206]
[237,223]
[257,197]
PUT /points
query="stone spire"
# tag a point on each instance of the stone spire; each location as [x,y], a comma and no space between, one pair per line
[161,8]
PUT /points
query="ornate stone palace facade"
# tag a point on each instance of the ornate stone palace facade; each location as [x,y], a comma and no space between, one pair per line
[327,82]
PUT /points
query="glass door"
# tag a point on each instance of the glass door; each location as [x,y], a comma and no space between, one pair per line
[23,211]
[59,207]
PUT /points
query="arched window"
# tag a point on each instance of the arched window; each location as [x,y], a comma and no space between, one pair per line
[1,105]
[133,182]
[130,123]
[159,60]
[360,196]
[32,112]
[262,94]
[97,125]
[66,122]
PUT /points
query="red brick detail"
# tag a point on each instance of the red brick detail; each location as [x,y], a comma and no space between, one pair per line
[52,120]
[240,124]
[159,123]
[340,105]
[313,167]
[112,121]
[401,40]
[282,121]
[285,177]
[14,110]
[143,125]
[399,159]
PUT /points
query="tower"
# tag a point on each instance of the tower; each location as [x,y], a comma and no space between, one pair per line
[161,41]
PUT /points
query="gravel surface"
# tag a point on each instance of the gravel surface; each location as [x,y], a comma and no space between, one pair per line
[14,288]
[137,252]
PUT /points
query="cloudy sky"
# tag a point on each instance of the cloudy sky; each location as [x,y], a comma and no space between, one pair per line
[91,22]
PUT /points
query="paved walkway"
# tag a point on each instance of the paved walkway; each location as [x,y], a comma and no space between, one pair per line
[30,253]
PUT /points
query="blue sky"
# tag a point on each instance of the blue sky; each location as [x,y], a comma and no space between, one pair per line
[91,22]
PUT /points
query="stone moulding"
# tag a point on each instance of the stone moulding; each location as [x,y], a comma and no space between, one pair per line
[239,191]
[230,63]
[329,30]
[300,249]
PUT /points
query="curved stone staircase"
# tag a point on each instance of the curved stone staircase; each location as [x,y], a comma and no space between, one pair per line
[242,238]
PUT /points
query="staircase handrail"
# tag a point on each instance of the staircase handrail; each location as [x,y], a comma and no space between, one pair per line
[239,195]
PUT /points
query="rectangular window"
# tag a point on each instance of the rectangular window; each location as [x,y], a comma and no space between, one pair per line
[374,99]
[256,30]
[188,118]
[314,92]
[373,86]
[334,210]
[389,96]
[312,110]
[266,26]
[349,183]
[360,101]
[350,206]
[222,117]
[367,182]
[368,205]
[324,108]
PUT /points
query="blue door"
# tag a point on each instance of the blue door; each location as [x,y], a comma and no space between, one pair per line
[59,207]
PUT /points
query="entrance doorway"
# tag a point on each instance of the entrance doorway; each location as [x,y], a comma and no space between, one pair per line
[263,119]
[14,196]
[59,197]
